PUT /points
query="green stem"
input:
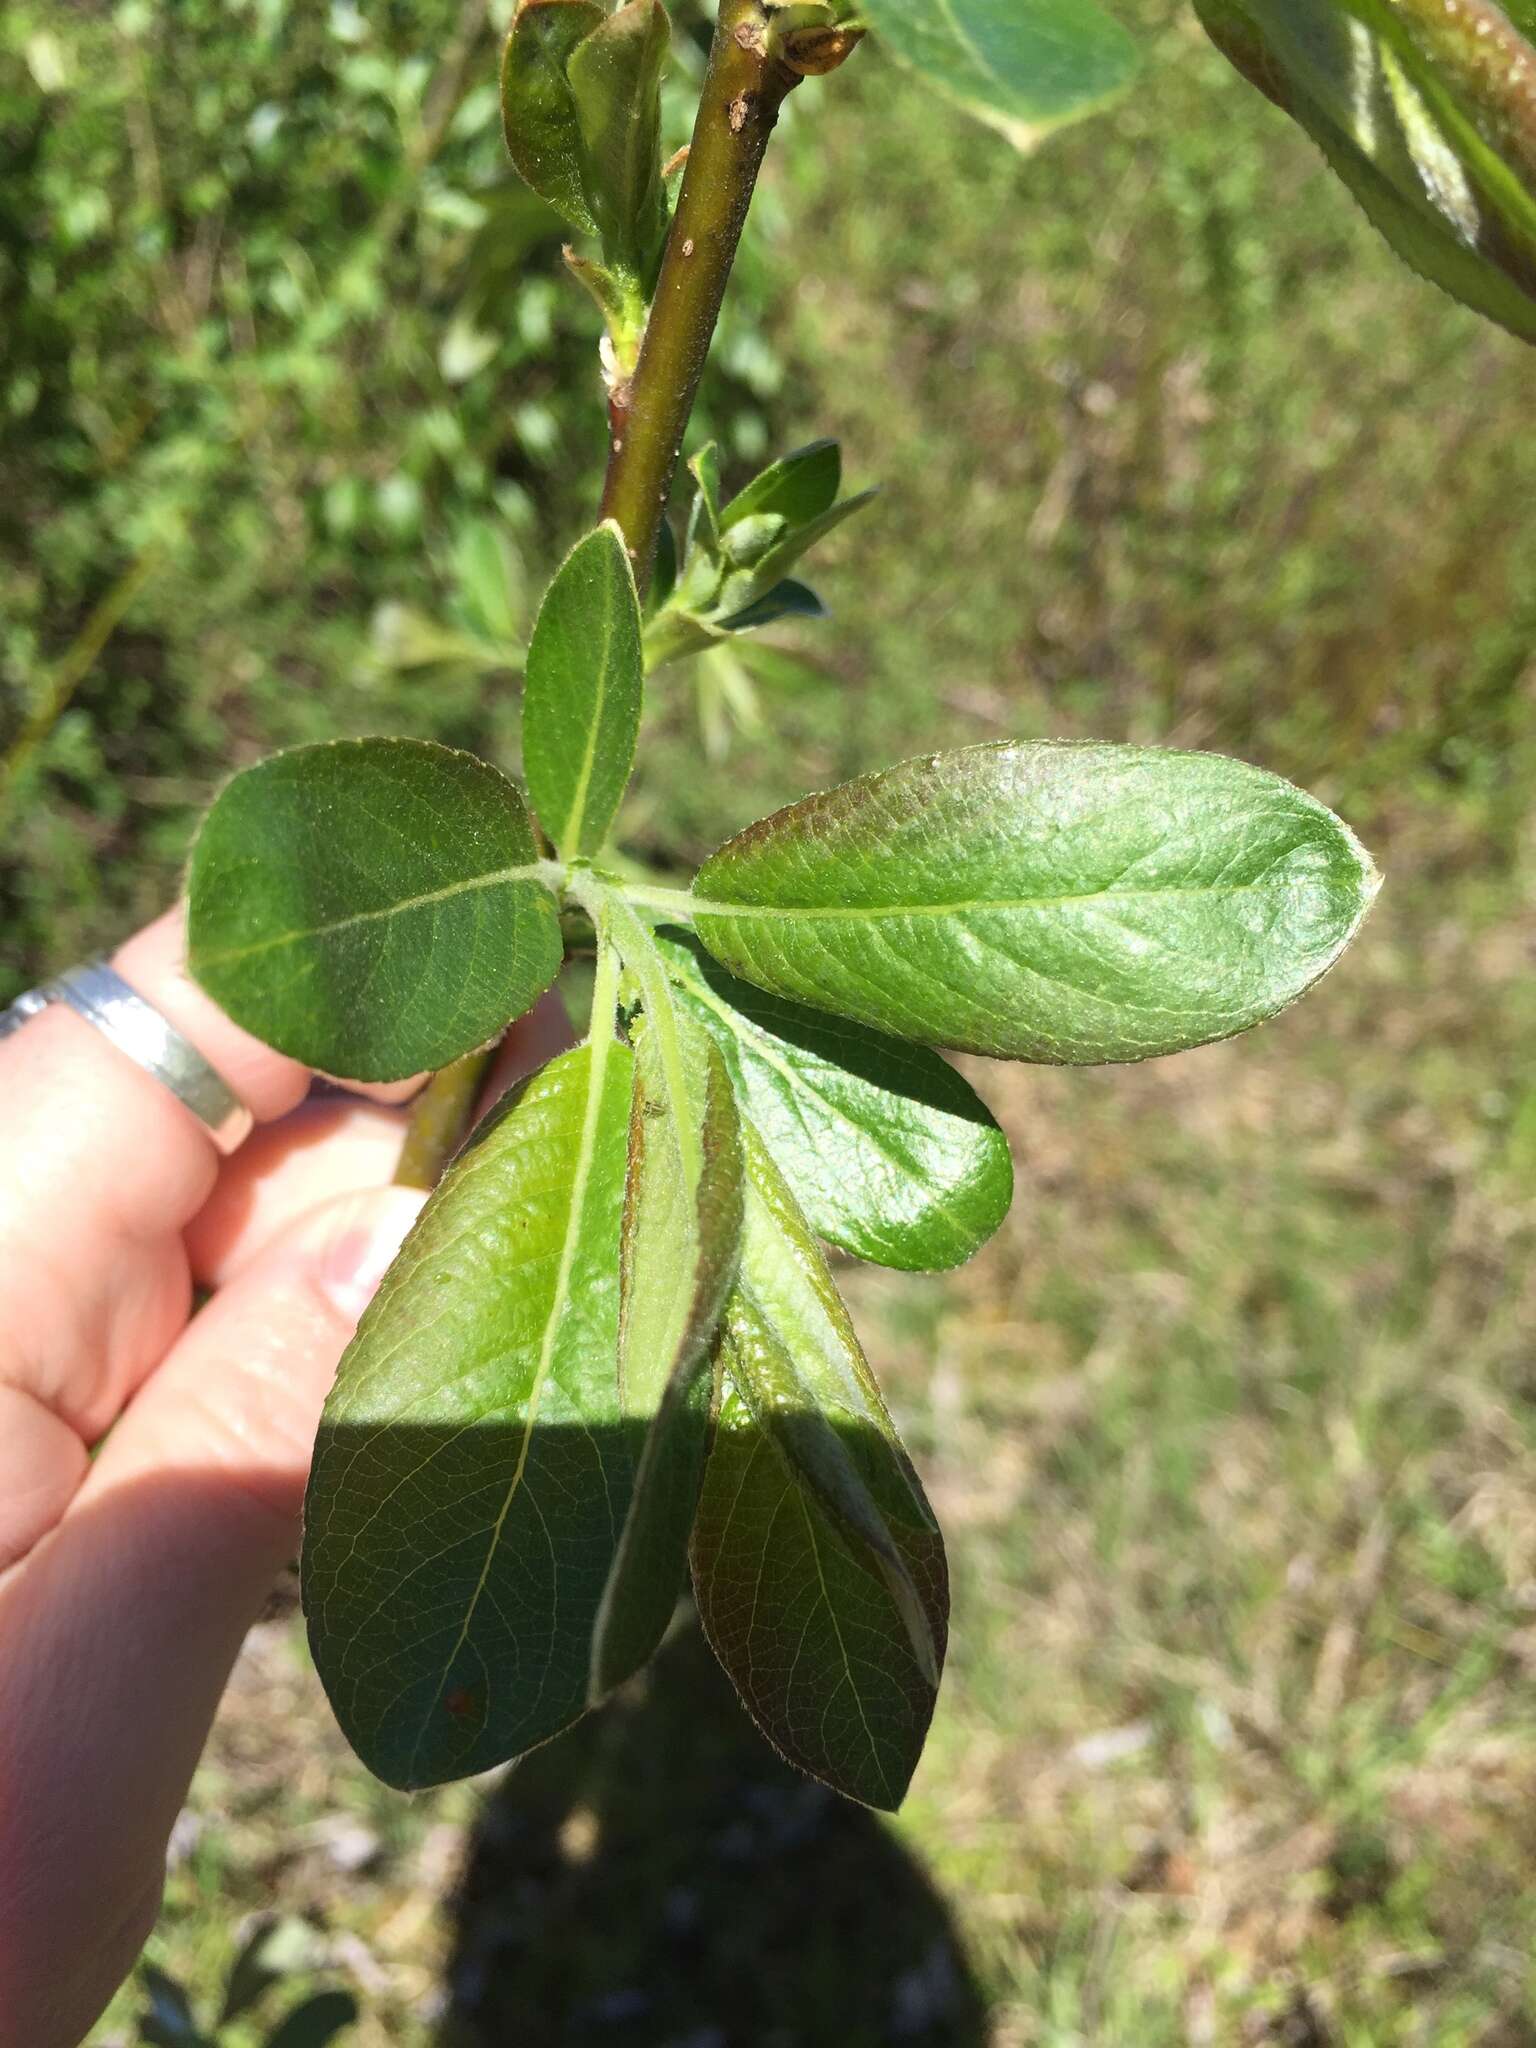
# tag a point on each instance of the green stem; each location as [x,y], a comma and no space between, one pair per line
[72,668]
[744,87]
[676,905]
[440,1119]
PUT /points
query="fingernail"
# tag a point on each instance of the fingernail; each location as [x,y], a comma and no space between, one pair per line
[364,1248]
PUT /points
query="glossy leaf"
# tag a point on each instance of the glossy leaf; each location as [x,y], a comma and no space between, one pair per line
[615,78]
[1064,903]
[798,488]
[371,907]
[583,688]
[473,1468]
[682,1226]
[889,1151]
[538,107]
[1023,66]
[1427,111]
[818,1567]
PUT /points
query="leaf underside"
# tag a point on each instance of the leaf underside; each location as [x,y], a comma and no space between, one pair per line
[1427,112]
[1025,67]
[678,1258]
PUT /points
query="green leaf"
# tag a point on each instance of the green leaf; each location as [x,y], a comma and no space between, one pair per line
[168,2021]
[615,76]
[746,586]
[371,907]
[538,106]
[1427,111]
[583,687]
[490,579]
[1024,67]
[704,514]
[818,1567]
[798,488]
[889,1151]
[786,600]
[473,1469]
[750,539]
[316,2022]
[277,1947]
[1073,904]
[682,1225]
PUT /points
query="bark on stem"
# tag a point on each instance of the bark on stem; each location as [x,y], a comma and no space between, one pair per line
[744,88]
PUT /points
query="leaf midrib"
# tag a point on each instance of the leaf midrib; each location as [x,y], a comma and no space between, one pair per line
[597,1065]
[227,956]
[576,816]
[971,906]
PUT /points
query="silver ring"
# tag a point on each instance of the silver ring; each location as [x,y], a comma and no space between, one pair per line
[99,994]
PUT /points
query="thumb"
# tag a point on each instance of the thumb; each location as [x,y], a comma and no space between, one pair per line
[121,1626]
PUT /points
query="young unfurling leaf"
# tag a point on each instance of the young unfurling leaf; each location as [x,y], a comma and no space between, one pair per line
[798,488]
[582,694]
[889,1152]
[818,1567]
[371,907]
[1071,904]
[474,1462]
[539,108]
[615,79]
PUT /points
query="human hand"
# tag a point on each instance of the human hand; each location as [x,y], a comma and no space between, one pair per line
[129,1578]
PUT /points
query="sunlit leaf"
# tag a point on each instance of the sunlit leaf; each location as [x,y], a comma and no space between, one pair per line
[1063,903]
[1022,66]
[538,106]
[890,1154]
[615,77]
[798,488]
[1427,111]
[682,1225]
[371,907]
[583,686]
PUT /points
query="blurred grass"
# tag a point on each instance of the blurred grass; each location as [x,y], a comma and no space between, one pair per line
[1232,1429]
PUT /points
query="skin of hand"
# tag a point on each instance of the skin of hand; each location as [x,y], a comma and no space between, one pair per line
[128,1578]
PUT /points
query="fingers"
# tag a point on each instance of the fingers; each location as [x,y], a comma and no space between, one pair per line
[42,1463]
[120,1628]
[107,1167]
[325,1149]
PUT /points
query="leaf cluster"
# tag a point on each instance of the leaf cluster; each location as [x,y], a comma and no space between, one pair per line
[612,1355]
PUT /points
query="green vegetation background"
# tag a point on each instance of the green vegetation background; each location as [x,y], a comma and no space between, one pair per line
[1232,1429]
